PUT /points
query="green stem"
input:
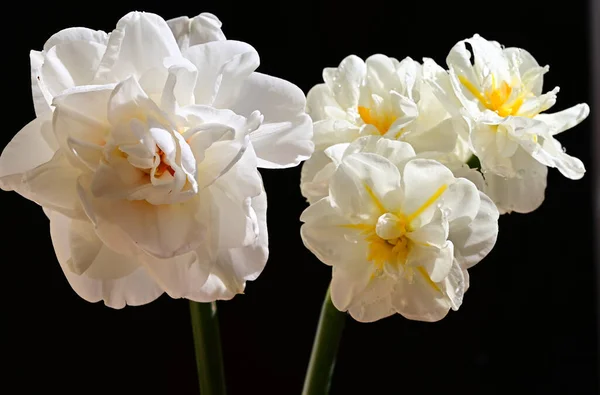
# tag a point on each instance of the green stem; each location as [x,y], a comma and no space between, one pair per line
[324,351]
[207,346]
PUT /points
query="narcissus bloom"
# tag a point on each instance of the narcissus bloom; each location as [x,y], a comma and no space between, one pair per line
[144,156]
[500,93]
[399,234]
[379,97]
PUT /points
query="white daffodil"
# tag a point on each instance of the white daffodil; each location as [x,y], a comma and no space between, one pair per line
[208,70]
[399,234]
[143,157]
[379,97]
[500,92]
[317,172]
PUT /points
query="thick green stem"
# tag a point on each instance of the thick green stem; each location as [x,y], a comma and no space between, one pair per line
[325,348]
[207,346]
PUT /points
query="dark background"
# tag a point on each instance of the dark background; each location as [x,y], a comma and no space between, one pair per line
[528,323]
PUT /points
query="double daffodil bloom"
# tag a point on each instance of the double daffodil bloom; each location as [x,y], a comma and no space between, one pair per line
[400,233]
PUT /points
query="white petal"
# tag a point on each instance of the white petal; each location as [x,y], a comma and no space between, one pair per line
[345,80]
[315,176]
[437,262]
[127,99]
[163,231]
[180,276]
[348,283]
[527,66]
[521,194]
[374,303]
[179,87]
[566,119]
[219,143]
[326,234]
[81,115]
[76,34]
[329,132]
[140,42]
[475,239]
[438,80]
[242,264]
[70,64]
[455,285]
[284,139]
[27,150]
[397,152]
[361,183]
[317,100]
[441,138]
[424,182]
[420,299]
[552,154]
[212,59]
[462,200]
[41,97]
[54,185]
[135,289]
[432,234]
[381,75]
[200,29]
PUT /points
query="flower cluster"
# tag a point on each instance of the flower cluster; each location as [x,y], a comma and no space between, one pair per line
[395,208]
[144,156]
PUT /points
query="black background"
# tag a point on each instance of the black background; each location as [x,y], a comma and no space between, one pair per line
[528,323]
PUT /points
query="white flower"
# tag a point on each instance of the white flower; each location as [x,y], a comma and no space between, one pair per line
[144,156]
[399,234]
[209,70]
[500,93]
[379,97]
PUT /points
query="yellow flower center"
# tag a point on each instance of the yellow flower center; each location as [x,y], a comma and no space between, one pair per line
[395,249]
[497,98]
[381,120]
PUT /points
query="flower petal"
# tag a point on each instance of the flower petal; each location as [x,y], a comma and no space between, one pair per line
[284,138]
[475,239]
[140,42]
[440,138]
[200,29]
[163,231]
[54,185]
[374,302]
[27,150]
[216,62]
[560,121]
[345,80]
[327,235]
[462,200]
[397,152]
[180,276]
[361,183]
[319,97]
[424,182]
[420,299]
[69,64]
[521,194]
[134,289]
